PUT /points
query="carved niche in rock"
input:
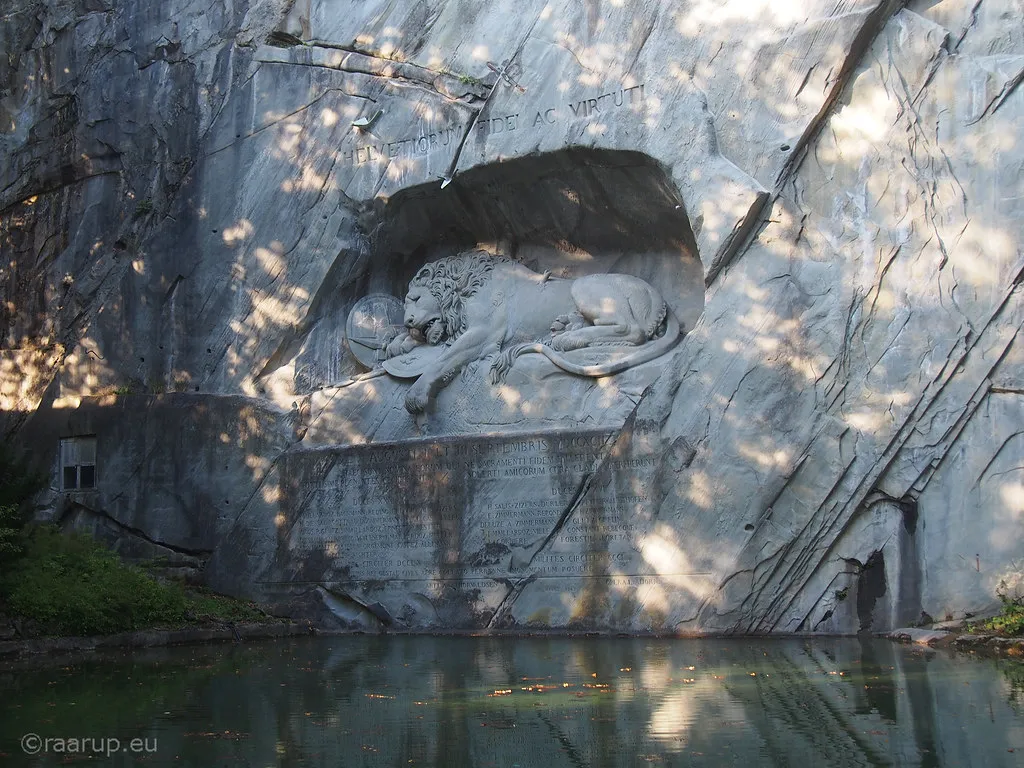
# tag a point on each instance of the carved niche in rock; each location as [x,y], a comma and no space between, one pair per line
[475,306]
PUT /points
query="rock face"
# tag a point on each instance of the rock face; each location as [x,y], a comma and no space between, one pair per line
[827,196]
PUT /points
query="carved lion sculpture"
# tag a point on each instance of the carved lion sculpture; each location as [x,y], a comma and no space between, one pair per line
[480,305]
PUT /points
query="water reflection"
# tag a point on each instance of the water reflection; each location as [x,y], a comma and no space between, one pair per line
[523,703]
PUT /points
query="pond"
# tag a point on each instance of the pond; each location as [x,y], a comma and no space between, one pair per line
[455,702]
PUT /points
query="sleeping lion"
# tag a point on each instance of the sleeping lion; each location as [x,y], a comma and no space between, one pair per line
[480,305]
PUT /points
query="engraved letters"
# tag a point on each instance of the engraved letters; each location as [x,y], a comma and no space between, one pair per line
[394,512]
[492,126]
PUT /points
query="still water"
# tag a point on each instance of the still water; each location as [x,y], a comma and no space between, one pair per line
[455,702]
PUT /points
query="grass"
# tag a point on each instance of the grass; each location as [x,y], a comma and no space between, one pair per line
[69,585]
[204,605]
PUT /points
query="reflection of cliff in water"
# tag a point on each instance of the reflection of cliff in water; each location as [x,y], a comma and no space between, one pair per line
[543,702]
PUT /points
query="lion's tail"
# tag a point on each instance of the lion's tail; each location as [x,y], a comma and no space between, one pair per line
[645,353]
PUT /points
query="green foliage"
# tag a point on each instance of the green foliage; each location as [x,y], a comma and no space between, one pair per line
[17,482]
[461,77]
[68,584]
[204,605]
[71,585]
[1009,622]
[17,485]
[11,522]
[143,207]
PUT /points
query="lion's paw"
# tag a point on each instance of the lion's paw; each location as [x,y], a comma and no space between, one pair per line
[569,322]
[400,345]
[417,399]
[414,404]
[561,323]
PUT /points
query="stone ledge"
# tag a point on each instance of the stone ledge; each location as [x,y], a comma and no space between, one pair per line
[935,638]
[918,636]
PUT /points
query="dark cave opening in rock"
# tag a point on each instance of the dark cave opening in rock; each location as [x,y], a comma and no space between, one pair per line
[574,212]
[870,588]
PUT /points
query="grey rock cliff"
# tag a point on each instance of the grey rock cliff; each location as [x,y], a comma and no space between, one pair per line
[827,195]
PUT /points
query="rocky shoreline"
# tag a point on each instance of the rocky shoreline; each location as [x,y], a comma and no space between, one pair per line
[15,650]
[981,642]
[36,648]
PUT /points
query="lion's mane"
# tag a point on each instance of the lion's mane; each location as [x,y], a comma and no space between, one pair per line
[454,279]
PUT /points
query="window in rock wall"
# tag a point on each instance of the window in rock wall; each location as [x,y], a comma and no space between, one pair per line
[77,463]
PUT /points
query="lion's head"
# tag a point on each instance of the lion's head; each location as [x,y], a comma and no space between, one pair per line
[434,302]
[423,314]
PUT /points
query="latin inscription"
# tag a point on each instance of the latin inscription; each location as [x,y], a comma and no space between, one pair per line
[413,146]
[591,108]
[475,509]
